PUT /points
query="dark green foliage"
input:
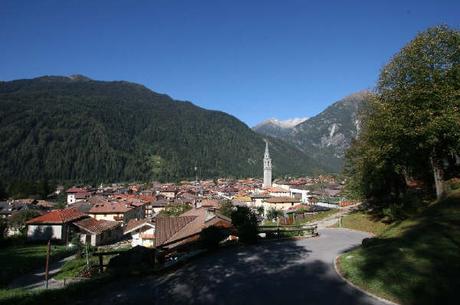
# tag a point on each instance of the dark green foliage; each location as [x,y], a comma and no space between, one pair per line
[175,209]
[273,214]
[26,188]
[412,125]
[226,208]
[3,193]
[92,131]
[3,228]
[245,221]
[212,236]
[138,260]
[18,220]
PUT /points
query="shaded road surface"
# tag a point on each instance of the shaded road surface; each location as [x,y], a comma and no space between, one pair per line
[285,272]
[36,279]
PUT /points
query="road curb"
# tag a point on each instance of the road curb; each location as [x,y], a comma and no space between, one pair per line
[359,288]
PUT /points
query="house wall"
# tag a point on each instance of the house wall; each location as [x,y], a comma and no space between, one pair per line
[71,198]
[106,237]
[158,210]
[169,195]
[303,194]
[45,232]
[125,217]
[278,206]
[108,216]
[138,240]
[280,194]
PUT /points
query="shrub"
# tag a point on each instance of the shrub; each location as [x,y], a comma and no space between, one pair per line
[212,236]
[245,221]
[368,242]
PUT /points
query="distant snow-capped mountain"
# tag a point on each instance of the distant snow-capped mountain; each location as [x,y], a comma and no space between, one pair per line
[278,128]
[326,136]
[282,123]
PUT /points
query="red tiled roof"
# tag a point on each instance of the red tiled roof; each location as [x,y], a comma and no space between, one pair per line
[58,217]
[76,190]
[110,208]
[201,219]
[96,226]
[276,190]
[134,224]
[166,227]
[82,195]
[210,203]
[282,200]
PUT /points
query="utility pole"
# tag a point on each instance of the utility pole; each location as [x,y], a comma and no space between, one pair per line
[87,256]
[47,263]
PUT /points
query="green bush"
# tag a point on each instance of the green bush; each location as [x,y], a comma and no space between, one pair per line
[212,236]
[245,221]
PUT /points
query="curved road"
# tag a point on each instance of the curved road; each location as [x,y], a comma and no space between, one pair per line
[285,272]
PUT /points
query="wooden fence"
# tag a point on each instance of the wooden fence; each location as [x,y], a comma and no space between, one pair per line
[287,230]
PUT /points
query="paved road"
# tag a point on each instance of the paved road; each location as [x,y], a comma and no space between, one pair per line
[285,272]
[36,279]
[334,219]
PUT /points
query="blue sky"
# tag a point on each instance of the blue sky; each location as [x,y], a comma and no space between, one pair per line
[252,59]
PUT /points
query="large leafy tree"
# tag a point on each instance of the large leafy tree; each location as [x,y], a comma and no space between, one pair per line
[413,124]
[419,90]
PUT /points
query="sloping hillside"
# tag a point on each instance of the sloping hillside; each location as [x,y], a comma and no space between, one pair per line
[75,128]
[416,261]
[326,136]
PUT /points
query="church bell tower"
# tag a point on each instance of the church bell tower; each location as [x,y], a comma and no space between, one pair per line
[267,168]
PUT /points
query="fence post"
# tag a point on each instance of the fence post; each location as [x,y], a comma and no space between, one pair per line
[47,263]
[101,263]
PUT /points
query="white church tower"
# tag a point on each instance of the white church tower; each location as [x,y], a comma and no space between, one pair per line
[267,168]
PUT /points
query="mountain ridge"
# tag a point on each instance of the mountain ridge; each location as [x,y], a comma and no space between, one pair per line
[327,135]
[75,128]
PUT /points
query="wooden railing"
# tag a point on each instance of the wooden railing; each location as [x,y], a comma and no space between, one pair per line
[101,255]
[310,230]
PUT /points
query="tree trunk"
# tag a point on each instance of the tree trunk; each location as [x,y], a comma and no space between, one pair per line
[438,173]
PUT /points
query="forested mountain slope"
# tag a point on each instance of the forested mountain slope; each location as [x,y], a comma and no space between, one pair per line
[326,136]
[75,128]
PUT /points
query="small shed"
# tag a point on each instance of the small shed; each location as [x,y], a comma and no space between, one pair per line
[99,232]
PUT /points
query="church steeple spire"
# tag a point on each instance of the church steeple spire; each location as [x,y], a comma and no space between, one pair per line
[267,153]
[267,167]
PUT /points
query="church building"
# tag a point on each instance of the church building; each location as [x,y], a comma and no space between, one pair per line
[267,168]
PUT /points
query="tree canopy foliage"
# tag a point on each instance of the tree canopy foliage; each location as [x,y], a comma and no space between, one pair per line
[245,221]
[411,130]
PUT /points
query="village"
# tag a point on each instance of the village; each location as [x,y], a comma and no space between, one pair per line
[174,220]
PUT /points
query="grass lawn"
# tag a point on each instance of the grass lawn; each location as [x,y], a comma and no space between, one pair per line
[318,216]
[363,222]
[308,218]
[67,295]
[19,259]
[74,268]
[414,262]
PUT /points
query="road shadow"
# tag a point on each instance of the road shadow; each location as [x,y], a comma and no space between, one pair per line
[268,273]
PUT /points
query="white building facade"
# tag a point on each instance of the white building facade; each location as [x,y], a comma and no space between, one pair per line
[267,168]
